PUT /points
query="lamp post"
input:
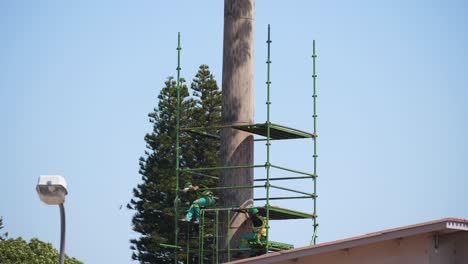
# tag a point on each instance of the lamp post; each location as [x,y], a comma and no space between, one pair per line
[52,189]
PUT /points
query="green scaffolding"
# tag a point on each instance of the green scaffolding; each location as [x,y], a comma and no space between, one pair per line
[270,132]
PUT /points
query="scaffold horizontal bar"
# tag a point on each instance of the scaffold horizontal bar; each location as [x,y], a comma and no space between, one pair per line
[284,198]
[291,190]
[214,127]
[169,246]
[264,139]
[219,209]
[233,249]
[223,168]
[290,170]
[234,187]
[286,178]
[203,174]
[203,133]
[276,213]
[197,128]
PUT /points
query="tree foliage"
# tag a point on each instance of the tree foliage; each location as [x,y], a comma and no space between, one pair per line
[208,114]
[154,198]
[18,250]
[35,252]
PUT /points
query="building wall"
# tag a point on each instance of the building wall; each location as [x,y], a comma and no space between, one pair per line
[420,249]
[451,249]
[461,248]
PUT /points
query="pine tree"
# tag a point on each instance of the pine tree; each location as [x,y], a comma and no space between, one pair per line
[154,197]
[207,114]
[5,235]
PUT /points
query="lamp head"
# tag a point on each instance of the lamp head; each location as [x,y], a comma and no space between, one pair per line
[52,189]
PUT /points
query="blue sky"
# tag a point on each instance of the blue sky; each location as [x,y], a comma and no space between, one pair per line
[77,80]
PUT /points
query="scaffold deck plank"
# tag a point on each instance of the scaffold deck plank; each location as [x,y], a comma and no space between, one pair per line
[276,131]
[278,213]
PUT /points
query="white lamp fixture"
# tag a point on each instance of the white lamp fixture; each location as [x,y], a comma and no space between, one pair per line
[52,189]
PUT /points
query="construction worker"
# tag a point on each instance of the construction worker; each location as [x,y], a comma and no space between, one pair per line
[188,193]
[207,200]
[188,187]
[255,241]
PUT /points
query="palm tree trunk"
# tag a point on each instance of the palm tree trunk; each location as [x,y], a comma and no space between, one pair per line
[237,107]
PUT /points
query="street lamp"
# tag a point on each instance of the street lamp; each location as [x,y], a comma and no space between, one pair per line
[52,189]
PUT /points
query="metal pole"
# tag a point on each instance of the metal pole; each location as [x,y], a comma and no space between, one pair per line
[62,234]
[188,244]
[167,245]
[202,235]
[216,234]
[285,198]
[203,175]
[292,190]
[290,170]
[286,178]
[200,256]
[228,235]
[176,203]
[223,168]
[234,187]
[267,184]
[314,96]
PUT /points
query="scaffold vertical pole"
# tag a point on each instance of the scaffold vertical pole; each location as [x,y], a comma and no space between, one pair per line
[216,234]
[176,201]
[314,76]
[228,235]
[199,243]
[201,235]
[188,245]
[267,184]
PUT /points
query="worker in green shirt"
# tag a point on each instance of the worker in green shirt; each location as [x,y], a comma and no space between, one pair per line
[257,240]
[206,200]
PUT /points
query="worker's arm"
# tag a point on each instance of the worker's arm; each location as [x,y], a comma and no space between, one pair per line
[191,188]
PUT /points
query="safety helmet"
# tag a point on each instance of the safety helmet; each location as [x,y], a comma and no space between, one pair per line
[253,210]
[187,184]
